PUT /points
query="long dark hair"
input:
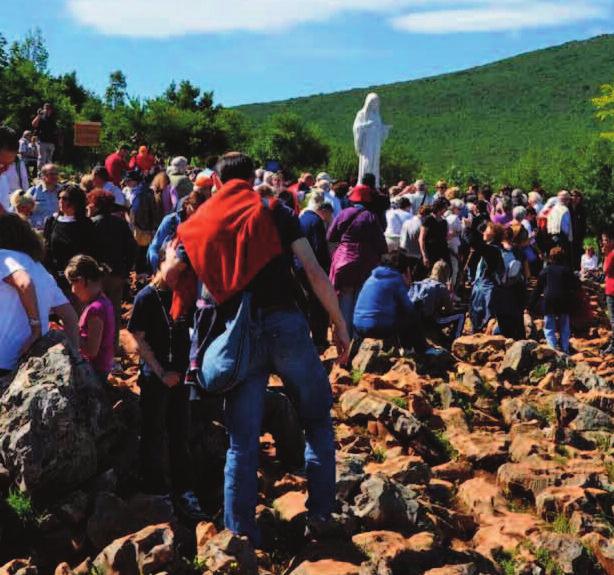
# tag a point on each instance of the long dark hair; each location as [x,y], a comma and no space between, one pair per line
[17,234]
[77,199]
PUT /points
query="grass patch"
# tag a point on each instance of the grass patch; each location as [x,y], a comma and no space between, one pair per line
[356,375]
[560,524]
[507,561]
[21,504]
[547,562]
[445,446]
[609,469]
[546,413]
[603,442]
[561,454]
[399,402]
[540,372]
[379,454]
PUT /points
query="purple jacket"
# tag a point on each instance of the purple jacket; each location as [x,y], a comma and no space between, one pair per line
[361,244]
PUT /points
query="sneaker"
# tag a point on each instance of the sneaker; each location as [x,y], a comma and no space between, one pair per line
[188,505]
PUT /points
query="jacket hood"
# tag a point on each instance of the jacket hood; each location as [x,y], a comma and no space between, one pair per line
[385,272]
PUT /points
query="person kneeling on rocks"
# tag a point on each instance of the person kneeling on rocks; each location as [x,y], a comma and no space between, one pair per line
[163,345]
[384,310]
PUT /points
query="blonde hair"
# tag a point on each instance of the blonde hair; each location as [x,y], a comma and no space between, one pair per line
[440,272]
[451,193]
[20,198]
[87,183]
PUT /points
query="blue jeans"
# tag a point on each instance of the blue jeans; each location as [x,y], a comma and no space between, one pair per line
[280,344]
[550,328]
[347,303]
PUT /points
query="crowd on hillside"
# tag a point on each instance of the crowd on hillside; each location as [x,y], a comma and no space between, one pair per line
[243,274]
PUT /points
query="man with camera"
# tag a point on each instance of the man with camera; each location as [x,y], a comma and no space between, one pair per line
[47,131]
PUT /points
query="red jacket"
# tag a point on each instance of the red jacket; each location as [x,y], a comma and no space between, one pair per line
[608,268]
[116,166]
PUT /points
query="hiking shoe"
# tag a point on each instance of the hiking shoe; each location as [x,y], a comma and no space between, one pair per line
[188,505]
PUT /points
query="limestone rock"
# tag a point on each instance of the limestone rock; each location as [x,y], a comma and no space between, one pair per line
[385,504]
[55,420]
[479,348]
[150,550]
[566,551]
[229,553]
[579,416]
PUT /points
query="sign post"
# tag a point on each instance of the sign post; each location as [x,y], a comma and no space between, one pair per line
[87,134]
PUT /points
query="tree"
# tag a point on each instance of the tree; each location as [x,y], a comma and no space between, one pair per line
[285,137]
[33,49]
[605,108]
[115,94]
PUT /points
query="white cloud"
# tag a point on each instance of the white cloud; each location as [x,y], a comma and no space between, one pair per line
[502,16]
[161,18]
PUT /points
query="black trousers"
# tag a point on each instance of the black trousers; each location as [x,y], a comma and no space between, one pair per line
[165,423]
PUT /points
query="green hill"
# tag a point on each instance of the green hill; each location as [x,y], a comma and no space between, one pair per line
[481,119]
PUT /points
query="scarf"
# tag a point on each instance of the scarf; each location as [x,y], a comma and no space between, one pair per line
[229,239]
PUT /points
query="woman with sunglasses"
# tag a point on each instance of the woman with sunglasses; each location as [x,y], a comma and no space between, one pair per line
[68,233]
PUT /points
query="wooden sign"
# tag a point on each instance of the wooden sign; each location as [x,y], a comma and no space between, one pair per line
[87,134]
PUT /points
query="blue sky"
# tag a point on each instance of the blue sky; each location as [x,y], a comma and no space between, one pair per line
[260,50]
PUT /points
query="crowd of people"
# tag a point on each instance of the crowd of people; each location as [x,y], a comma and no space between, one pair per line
[313,262]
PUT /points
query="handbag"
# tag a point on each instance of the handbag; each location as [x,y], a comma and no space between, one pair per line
[220,351]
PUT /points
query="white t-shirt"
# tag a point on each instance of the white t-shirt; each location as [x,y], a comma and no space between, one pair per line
[589,263]
[120,199]
[14,325]
[15,181]
[5,192]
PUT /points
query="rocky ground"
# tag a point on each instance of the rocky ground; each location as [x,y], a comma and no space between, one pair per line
[497,458]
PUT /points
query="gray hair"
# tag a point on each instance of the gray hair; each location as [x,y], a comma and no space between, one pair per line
[519,213]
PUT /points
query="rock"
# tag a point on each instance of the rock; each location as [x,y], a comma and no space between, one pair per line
[74,508]
[360,406]
[453,471]
[484,449]
[229,553]
[504,531]
[583,378]
[516,410]
[566,551]
[63,569]
[290,508]
[554,501]
[385,504]
[464,569]
[518,360]
[580,416]
[55,420]
[371,357]
[603,549]
[19,567]
[204,532]
[404,469]
[350,474]
[113,517]
[530,477]
[150,550]
[391,552]
[479,348]
[481,497]
[327,567]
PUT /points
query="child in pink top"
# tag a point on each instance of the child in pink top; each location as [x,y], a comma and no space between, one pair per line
[97,321]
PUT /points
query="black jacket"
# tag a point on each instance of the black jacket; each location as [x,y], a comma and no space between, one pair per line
[114,243]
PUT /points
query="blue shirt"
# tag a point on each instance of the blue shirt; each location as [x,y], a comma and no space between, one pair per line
[46,204]
[382,299]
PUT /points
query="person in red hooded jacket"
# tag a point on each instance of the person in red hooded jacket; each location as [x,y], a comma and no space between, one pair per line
[144,161]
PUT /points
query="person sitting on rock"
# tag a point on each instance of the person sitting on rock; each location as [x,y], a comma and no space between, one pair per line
[384,310]
[163,345]
[97,321]
[433,301]
[560,287]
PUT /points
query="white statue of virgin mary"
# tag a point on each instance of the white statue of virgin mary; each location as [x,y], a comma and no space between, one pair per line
[369,135]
